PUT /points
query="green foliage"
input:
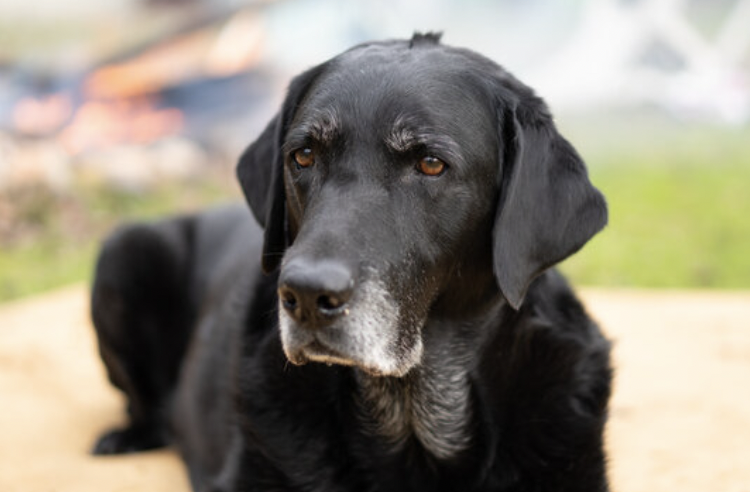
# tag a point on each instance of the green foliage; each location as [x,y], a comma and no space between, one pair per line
[44,265]
[679,210]
[57,236]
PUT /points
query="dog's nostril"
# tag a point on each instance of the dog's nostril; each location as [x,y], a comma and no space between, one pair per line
[328,303]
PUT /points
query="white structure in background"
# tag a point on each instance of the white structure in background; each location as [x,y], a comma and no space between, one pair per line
[603,63]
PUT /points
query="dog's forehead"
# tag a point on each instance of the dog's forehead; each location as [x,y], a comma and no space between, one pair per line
[435,73]
[399,90]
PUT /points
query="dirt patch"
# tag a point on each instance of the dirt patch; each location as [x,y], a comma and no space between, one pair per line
[680,414]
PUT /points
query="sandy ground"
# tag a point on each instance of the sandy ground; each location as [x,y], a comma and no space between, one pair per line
[680,414]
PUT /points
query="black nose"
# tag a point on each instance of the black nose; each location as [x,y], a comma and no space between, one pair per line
[315,293]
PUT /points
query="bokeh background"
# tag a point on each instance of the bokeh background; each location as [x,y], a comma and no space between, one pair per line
[115,110]
[129,109]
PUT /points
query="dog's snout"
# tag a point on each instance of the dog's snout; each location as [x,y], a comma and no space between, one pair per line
[314,293]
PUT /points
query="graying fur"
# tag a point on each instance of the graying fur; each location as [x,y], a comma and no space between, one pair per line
[431,403]
[368,334]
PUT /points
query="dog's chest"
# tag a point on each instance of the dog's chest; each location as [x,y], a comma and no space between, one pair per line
[432,405]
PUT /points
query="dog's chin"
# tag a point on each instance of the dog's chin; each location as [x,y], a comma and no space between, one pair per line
[317,352]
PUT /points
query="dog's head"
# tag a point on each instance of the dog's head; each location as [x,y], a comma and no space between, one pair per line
[403,180]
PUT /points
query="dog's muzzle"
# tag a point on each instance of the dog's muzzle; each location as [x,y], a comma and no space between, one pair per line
[329,315]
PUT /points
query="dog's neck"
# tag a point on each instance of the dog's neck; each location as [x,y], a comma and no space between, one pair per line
[432,403]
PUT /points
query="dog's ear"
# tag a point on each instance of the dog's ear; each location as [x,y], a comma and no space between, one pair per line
[548,208]
[261,172]
[254,170]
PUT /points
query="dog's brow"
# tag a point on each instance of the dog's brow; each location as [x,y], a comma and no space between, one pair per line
[402,137]
[405,136]
[321,126]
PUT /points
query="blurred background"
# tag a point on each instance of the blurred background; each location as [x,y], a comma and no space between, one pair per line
[134,108]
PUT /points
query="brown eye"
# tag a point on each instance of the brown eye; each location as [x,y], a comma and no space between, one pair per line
[431,166]
[304,157]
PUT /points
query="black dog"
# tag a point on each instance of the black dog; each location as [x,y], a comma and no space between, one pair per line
[414,196]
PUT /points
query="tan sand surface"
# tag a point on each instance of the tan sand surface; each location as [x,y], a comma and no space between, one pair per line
[680,414]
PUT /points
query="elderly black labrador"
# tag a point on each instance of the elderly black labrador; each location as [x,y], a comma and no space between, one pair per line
[403,330]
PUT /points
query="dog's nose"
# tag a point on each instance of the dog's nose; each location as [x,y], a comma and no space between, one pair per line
[314,293]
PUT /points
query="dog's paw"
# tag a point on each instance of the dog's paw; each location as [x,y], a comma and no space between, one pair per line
[128,440]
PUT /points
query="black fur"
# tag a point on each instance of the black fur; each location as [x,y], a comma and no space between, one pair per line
[414,337]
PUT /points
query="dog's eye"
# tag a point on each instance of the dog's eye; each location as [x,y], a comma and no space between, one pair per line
[304,157]
[431,166]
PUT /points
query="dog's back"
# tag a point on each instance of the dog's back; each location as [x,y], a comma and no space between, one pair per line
[155,283]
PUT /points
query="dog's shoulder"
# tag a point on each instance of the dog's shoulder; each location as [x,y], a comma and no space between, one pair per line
[546,376]
[552,302]
[552,335]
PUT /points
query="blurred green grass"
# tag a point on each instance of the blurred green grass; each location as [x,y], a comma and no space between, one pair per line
[679,207]
[678,198]
[59,244]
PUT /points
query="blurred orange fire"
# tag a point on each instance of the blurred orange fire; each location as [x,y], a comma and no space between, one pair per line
[41,115]
[121,98]
[134,121]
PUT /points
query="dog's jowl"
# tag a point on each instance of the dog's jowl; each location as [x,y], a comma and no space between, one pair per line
[383,316]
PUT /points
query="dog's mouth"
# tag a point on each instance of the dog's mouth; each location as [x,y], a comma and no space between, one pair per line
[316,351]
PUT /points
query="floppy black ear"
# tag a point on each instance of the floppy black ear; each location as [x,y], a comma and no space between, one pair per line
[261,173]
[548,207]
[255,169]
